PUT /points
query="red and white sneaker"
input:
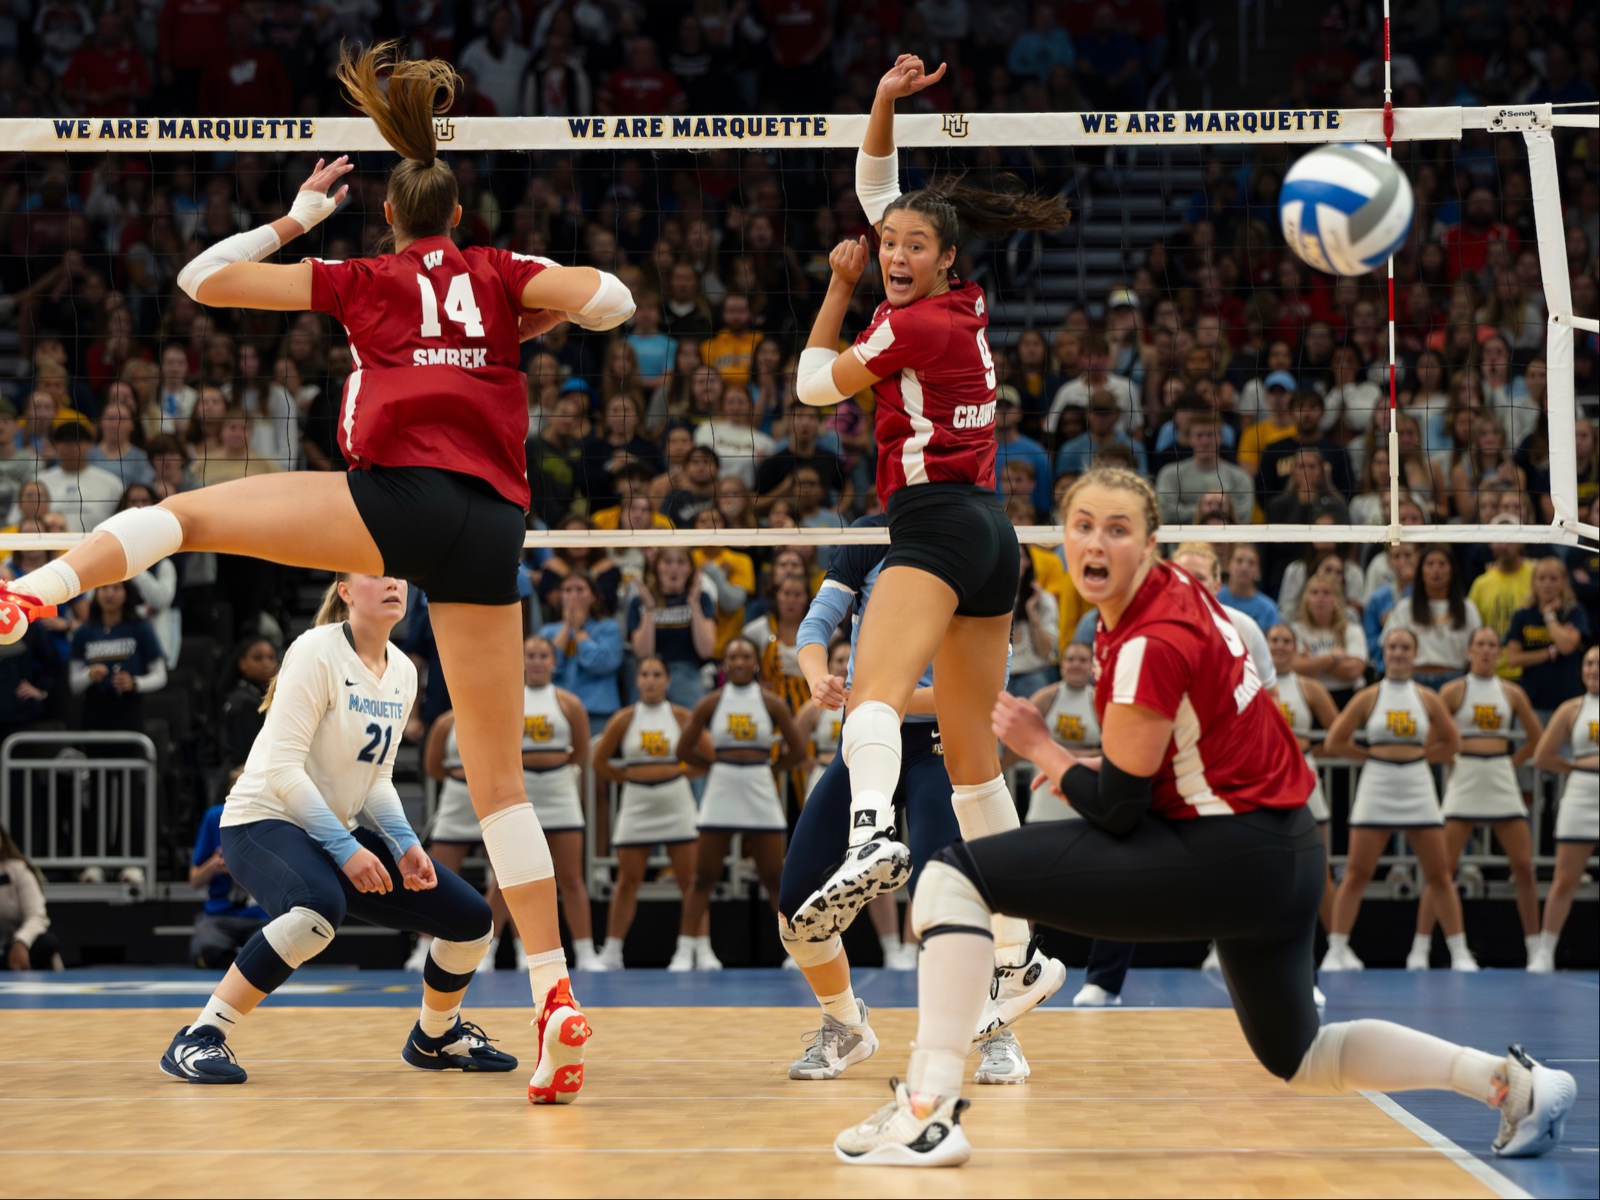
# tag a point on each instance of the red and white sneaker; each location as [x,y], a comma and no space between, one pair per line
[563,1030]
[16,610]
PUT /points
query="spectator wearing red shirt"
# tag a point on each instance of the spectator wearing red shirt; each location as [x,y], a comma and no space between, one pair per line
[642,88]
[799,33]
[106,77]
[1466,247]
[243,79]
[190,32]
[1327,68]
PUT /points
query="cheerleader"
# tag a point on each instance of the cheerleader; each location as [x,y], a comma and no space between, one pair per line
[1068,711]
[1306,705]
[1483,789]
[744,720]
[1577,722]
[639,750]
[325,757]
[1406,728]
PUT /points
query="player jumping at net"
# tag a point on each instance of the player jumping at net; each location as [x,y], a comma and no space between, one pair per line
[433,424]
[1195,826]
[324,757]
[949,582]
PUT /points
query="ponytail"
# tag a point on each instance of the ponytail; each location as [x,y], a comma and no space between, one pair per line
[957,208]
[333,610]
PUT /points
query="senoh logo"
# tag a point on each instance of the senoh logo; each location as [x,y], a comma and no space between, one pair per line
[955,124]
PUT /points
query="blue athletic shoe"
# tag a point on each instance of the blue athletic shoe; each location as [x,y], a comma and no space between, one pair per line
[201,1055]
[464,1048]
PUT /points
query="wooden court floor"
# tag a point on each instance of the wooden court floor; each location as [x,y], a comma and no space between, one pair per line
[678,1102]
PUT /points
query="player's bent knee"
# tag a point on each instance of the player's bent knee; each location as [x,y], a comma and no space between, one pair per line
[281,945]
[872,723]
[516,846]
[449,965]
[947,899]
[807,954]
[1320,1070]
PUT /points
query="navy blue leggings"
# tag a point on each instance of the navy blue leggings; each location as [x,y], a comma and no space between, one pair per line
[822,833]
[280,865]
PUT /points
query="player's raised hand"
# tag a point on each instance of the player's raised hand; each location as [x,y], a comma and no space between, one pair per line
[312,204]
[1017,723]
[849,260]
[416,870]
[908,77]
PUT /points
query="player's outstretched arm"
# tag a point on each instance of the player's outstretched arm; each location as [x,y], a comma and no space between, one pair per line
[877,167]
[596,300]
[231,273]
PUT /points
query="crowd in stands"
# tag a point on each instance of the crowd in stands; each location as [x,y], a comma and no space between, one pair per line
[1249,388]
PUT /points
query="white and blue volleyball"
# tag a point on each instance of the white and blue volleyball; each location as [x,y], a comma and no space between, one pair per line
[1345,209]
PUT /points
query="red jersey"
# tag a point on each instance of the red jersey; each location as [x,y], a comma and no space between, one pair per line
[1176,653]
[935,390]
[438,379]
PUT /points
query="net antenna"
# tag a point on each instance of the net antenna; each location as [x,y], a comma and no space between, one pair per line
[1394,405]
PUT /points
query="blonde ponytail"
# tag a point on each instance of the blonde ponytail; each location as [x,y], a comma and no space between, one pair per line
[332,611]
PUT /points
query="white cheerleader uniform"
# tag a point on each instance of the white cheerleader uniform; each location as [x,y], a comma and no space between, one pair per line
[825,744]
[740,797]
[553,792]
[1292,703]
[1396,795]
[1483,787]
[454,820]
[1578,818]
[654,814]
[1073,725]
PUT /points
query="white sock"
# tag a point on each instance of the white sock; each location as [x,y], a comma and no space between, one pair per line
[704,943]
[1532,942]
[53,583]
[1338,941]
[544,972]
[842,1007]
[438,1022]
[1547,943]
[219,1015]
[1380,1056]
[613,948]
[890,942]
[1422,943]
[1457,944]
[685,944]
[952,984]
[870,745]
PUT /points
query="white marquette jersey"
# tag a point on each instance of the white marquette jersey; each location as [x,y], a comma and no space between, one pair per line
[1256,643]
[741,720]
[1586,729]
[544,725]
[652,736]
[1292,701]
[825,737]
[1485,710]
[1398,717]
[1071,719]
[330,737]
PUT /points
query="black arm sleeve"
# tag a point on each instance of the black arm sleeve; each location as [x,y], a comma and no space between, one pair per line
[1109,798]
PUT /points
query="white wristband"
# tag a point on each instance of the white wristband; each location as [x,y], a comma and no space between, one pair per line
[311,208]
[814,378]
[877,183]
[250,246]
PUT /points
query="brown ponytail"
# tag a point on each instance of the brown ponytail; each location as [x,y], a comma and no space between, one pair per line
[957,207]
[422,187]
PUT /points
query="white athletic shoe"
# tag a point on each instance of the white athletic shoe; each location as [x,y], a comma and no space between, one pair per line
[1092,995]
[1465,961]
[1533,1111]
[1541,963]
[1341,960]
[588,957]
[419,956]
[1419,959]
[611,955]
[895,1136]
[1318,998]
[1001,1060]
[705,958]
[867,872]
[835,1046]
[486,963]
[903,959]
[1351,962]
[1016,991]
[1211,962]
[683,956]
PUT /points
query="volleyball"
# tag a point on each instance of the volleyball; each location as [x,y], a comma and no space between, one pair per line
[1345,209]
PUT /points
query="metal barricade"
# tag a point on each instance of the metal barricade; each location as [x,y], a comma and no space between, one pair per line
[69,811]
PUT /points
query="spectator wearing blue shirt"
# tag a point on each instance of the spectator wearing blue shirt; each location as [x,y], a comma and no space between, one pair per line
[1104,417]
[1110,66]
[1041,48]
[652,349]
[1083,634]
[673,617]
[1011,442]
[1403,562]
[1548,637]
[115,660]
[1244,572]
[230,916]
[588,646]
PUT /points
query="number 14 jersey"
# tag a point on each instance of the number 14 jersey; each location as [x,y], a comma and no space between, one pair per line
[438,379]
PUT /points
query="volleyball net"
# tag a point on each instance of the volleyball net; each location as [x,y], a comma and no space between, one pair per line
[1167,328]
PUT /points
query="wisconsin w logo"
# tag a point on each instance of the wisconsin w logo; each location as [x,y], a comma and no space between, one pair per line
[1486,716]
[654,743]
[742,726]
[1069,728]
[536,728]
[1402,724]
[955,124]
[432,259]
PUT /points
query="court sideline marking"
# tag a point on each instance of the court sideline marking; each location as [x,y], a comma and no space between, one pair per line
[1465,1159]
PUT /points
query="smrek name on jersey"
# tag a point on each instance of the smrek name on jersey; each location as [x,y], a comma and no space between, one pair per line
[450,356]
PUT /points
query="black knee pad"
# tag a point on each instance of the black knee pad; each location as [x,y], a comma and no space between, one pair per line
[958,856]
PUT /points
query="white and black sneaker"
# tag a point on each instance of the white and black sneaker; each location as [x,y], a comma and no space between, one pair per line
[1533,1106]
[201,1055]
[1000,1060]
[867,872]
[835,1046]
[464,1047]
[895,1136]
[1015,991]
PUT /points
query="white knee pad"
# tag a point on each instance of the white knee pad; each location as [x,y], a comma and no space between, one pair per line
[871,724]
[460,958]
[1321,1071]
[808,954]
[147,535]
[611,305]
[983,809]
[299,935]
[517,847]
[946,897]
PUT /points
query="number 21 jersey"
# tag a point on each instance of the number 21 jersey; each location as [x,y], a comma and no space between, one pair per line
[437,379]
